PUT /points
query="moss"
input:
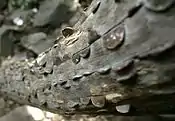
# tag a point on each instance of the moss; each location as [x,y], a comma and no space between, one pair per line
[22,4]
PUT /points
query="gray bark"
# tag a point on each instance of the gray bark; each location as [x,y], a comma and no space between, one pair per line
[120,52]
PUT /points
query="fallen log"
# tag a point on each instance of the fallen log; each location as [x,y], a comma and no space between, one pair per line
[119,55]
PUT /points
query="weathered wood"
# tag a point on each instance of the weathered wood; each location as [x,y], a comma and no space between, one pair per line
[128,60]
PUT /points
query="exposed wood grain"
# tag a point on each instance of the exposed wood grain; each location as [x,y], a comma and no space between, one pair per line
[139,72]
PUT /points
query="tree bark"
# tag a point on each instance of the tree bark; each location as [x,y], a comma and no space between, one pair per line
[120,52]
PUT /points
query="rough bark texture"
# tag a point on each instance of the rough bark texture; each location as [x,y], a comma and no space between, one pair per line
[120,52]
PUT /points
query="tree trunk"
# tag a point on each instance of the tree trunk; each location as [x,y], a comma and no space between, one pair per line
[121,52]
